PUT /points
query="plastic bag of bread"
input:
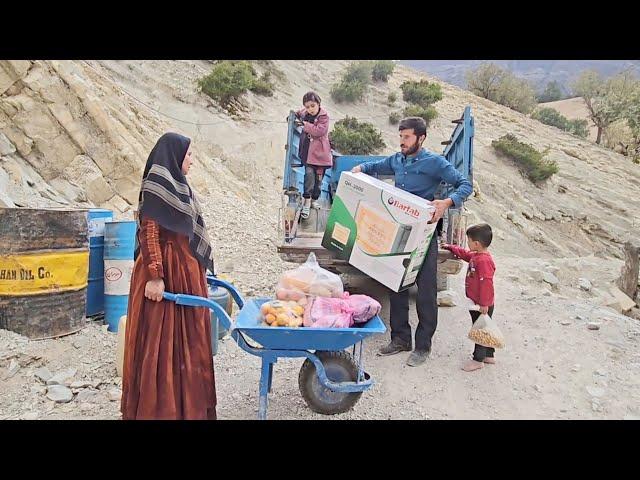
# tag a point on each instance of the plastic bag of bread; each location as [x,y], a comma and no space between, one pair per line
[485,332]
[309,279]
[277,313]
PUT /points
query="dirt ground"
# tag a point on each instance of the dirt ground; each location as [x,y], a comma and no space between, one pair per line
[553,366]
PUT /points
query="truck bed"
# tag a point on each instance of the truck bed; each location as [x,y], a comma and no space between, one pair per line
[299,249]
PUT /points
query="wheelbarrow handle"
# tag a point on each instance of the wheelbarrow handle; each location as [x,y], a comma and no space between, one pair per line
[216,282]
[195,301]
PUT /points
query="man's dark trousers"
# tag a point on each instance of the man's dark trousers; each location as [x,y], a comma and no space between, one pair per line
[426,302]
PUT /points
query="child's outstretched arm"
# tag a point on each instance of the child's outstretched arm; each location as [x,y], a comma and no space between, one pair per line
[458,252]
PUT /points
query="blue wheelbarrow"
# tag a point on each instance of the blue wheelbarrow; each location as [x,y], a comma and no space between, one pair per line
[331,380]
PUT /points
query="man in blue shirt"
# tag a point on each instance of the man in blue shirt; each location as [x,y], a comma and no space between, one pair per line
[420,172]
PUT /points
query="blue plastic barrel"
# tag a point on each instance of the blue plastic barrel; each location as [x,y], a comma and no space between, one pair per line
[96,218]
[119,245]
[222,297]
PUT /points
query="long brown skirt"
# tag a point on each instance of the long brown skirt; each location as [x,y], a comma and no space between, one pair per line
[168,362]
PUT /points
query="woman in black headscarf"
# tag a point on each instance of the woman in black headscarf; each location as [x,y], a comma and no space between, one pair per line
[168,362]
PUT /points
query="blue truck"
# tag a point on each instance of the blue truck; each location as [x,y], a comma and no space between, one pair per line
[299,237]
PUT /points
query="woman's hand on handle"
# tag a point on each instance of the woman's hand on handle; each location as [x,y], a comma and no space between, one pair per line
[356,169]
[154,289]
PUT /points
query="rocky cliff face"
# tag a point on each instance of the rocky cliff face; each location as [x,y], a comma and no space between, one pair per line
[68,137]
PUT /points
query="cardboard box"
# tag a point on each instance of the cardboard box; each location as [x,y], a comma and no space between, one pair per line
[379,229]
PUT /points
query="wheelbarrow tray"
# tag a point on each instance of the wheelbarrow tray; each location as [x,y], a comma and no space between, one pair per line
[302,338]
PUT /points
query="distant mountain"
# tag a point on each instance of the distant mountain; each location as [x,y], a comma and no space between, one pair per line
[538,72]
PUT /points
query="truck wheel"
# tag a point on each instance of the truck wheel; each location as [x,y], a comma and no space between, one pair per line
[339,367]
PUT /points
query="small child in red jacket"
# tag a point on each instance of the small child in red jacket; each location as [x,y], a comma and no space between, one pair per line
[478,284]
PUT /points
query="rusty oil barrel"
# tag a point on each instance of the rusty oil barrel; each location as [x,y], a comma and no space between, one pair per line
[44,266]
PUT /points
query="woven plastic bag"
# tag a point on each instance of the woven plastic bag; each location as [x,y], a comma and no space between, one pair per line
[485,332]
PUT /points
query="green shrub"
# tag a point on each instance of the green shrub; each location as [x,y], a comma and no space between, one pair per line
[351,137]
[552,93]
[532,162]
[358,72]
[580,128]
[421,93]
[550,116]
[392,97]
[230,79]
[348,91]
[227,81]
[382,70]
[394,118]
[263,85]
[353,83]
[427,113]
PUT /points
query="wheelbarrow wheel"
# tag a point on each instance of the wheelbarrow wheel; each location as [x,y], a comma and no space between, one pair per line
[339,367]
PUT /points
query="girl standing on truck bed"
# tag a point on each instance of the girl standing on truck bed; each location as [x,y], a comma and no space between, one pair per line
[168,363]
[314,150]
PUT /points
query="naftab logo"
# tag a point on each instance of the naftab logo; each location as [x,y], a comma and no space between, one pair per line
[408,209]
[113,274]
